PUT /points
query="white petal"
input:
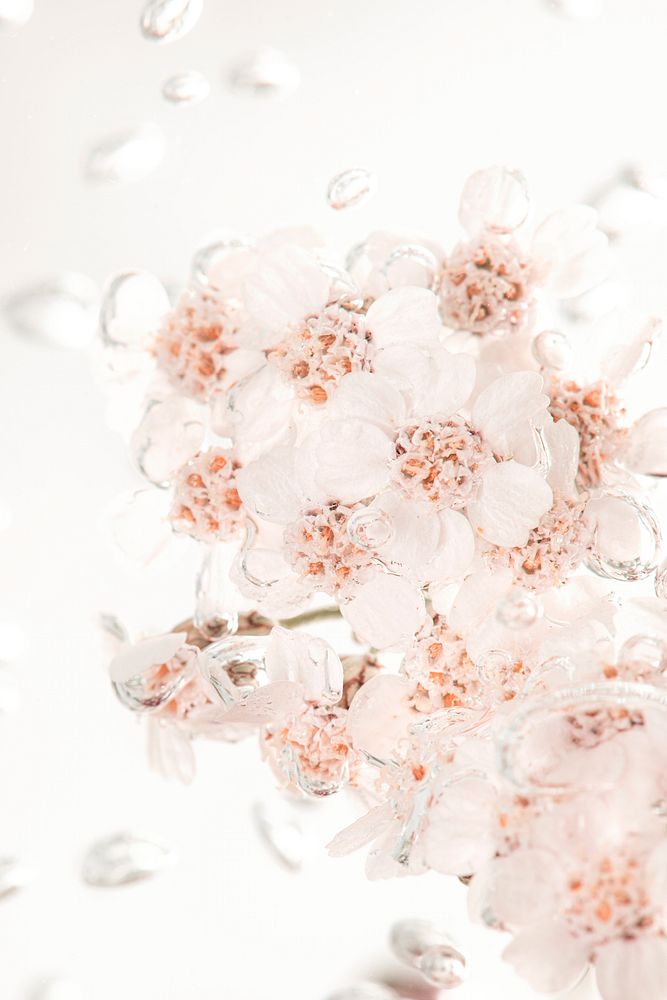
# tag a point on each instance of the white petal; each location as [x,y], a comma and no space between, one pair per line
[288,286]
[504,410]
[511,500]
[272,703]
[571,251]
[435,380]
[646,448]
[404,314]
[361,832]
[477,598]
[385,611]
[455,550]
[368,397]
[563,447]
[415,532]
[307,660]
[354,460]
[170,751]
[379,715]
[134,660]
[461,833]
[256,412]
[267,486]
[636,968]
[516,890]
[547,956]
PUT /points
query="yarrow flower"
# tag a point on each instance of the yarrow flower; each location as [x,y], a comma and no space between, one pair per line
[415,501]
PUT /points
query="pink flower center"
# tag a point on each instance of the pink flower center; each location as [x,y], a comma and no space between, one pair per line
[609,901]
[597,415]
[440,461]
[206,503]
[320,548]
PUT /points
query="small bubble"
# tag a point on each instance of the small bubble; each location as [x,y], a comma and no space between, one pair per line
[552,350]
[627,539]
[350,188]
[369,528]
[14,875]
[265,73]
[280,829]
[171,431]
[215,614]
[132,306]
[235,666]
[643,656]
[518,610]
[443,966]
[661,581]
[186,88]
[493,666]
[495,199]
[15,13]
[211,261]
[423,945]
[168,20]
[59,311]
[127,156]
[411,264]
[124,858]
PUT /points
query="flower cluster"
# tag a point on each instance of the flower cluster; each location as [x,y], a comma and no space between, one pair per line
[404,444]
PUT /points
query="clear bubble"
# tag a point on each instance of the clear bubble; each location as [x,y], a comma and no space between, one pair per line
[168,20]
[643,656]
[265,73]
[235,666]
[216,615]
[147,693]
[495,199]
[443,966]
[282,832]
[317,787]
[15,13]
[411,264]
[14,875]
[211,261]
[60,311]
[187,88]
[577,9]
[365,991]
[627,540]
[327,666]
[170,433]
[350,188]
[519,609]
[493,667]
[552,350]
[645,449]
[124,858]
[661,581]
[133,304]
[127,156]
[370,528]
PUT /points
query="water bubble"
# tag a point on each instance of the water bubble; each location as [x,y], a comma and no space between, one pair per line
[577,9]
[15,13]
[326,667]
[127,156]
[370,528]
[280,829]
[186,88]
[211,261]
[627,540]
[14,875]
[168,20]
[661,581]
[365,991]
[124,858]
[133,304]
[552,350]
[443,966]
[493,667]
[171,432]
[148,692]
[411,264]
[60,311]
[643,657]
[215,615]
[265,73]
[350,187]
[518,610]
[495,199]
[235,666]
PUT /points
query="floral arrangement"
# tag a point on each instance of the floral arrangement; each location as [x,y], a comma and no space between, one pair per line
[409,445]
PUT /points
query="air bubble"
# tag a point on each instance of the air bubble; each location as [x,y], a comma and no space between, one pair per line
[411,264]
[370,528]
[168,20]
[518,610]
[187,88]
[350,188]
[643,657]
[60,311]
[127,156]
[124,858]
[265,73]
[627,540]
[495,199]
[552,350]
[215,616]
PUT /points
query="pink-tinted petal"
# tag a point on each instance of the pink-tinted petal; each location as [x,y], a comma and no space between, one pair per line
[368,397]
[271,703]
[629,969]
[547,956]
[267,486]
[307,660]
[385,611]
[455,550]
[361,832]
[503,412]
[511,500]
[404,314]
[379,715]
[435,381]
[353,461]
[131,661]
[571,252]
[288,286]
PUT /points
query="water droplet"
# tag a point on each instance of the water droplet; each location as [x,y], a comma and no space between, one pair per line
[145,693]
[14,875]
[495,199]
[627,539]
[350,187]
[170,433]
[132,306]
[12,641]
[552,350]
[365,991]
[577,9]
[370,528]
[168,20]
[15,13]
[58,989]
[518,610]
[645,449]
[186,88]
[280,829]
[60,311]
[493,667]
[124,858]
[411,264]
[235,666]
[643,657]
[266,72]
[328,669]
[211,262]
[215,615]
[443,966]
[127,156]
[661,581]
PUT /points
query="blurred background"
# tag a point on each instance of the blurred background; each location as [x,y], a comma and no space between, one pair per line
[100,172]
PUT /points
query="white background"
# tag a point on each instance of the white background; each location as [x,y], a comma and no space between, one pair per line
[420,92]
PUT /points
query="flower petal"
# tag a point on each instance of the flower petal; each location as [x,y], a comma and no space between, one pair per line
[306,660]
[361,832]
[385,611]
[511,500]
[368,397]
[404,314]
[435,380]
[504,410]
[131,661]
[353,462]
[547,956]
[267,486]
[288,286]
[632,968]
[379,715]
[415,532]
[455,550]
[571,251]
